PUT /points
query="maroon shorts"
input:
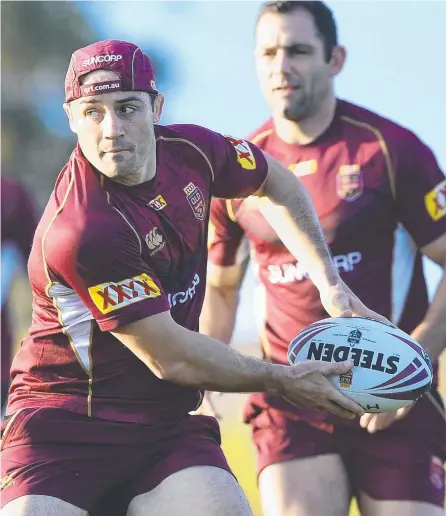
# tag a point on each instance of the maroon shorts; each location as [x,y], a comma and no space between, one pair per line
[50,451]
[404,462]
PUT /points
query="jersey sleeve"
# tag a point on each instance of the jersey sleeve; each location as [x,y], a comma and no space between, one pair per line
[106,271]
[226,243]
[420,191]
[240,168]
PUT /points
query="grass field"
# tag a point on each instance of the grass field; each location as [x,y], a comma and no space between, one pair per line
[241,457]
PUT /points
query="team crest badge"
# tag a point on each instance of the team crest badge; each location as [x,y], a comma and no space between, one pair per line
[196,200]
[349,182]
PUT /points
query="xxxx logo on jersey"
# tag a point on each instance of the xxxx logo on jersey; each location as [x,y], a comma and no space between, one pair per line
[112,296]
[435,201]
[244,153]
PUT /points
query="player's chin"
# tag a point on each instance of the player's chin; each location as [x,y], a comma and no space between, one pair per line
[116,169]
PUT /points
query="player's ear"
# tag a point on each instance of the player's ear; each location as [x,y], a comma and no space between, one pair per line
[158,104]
[67,110]
[338,58]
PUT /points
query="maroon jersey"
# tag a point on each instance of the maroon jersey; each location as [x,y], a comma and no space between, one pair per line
[18,223]
[379,195]
[106,255]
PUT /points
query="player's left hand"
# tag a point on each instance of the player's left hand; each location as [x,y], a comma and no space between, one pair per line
[375,422]
[339,301]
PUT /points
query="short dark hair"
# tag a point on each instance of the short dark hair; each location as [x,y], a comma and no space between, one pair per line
[322,16]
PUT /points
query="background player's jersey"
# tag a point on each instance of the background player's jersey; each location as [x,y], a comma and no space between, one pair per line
[379,195]
[106,255]
[18,223]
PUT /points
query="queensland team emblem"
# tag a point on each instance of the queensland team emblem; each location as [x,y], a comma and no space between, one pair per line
[244,153]
[196,200]
[349,182]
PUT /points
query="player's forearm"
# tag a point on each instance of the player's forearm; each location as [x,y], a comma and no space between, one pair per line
[210,365]
[431,333]
[217,318]
[290,212]
[194,360]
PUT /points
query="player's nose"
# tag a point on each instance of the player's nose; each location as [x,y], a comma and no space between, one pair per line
[112,126]
[281,62]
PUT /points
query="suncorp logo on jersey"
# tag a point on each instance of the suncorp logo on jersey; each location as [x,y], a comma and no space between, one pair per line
[184,297]
[292,272]
[107,58]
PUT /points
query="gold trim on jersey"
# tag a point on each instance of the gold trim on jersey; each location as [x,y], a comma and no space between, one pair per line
[230,211]
[126,220]
[266,345]
[194,146]
[255,139]
[50,283]
[383,145]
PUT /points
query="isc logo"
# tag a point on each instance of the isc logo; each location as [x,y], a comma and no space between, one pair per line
[112,296]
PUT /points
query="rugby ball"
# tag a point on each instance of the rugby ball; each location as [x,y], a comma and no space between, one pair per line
[391,370]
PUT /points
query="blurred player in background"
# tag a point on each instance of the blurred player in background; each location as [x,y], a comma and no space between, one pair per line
[381,200]
[103,386]
[18,223]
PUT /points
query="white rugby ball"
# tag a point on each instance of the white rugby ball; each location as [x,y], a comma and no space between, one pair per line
[391,370]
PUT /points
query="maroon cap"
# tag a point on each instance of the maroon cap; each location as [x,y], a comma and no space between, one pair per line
[135,69]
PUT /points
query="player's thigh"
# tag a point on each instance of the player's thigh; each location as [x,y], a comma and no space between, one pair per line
[403,463]
[39,505]
[309,486]
[198,490]
[371,507]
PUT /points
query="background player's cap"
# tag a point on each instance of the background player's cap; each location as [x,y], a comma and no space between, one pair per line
[135,69]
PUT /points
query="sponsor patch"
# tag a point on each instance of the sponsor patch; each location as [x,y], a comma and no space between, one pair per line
[155,241]
[158,203]
[107,58]
[304,168]
[349,182]
[196,200]
[100,87]
[113,296]
[184,297]
[435,201]
[244,153]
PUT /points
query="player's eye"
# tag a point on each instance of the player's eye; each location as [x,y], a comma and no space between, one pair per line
[126,110]
[270,52]
[297,50]
[92,113]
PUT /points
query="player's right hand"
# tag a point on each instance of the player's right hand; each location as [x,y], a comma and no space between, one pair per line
[306,385]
